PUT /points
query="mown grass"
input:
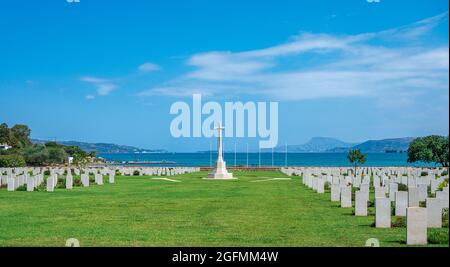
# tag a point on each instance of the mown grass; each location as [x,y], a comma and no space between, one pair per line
[139,211]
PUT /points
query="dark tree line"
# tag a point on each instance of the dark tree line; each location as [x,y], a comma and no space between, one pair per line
[24,152]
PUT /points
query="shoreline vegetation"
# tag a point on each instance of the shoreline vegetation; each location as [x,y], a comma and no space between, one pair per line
[18,150]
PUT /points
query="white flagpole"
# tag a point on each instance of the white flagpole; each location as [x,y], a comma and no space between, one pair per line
[210,154]
[286,164]
[235,160]
[247,155]
[272,157]
[259,156]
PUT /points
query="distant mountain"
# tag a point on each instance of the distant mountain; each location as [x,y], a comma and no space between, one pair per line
[316,144]
[102,148]
[386,145]
[380,146]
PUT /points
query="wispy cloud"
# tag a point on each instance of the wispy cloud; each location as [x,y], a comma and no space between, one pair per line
[312,66]
[103,86]
[149,67]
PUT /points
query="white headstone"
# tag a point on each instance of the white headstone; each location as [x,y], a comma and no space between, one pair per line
[382,213]
[346,197]
[50,184]
[335,192]
[11,184]
[380,192]
[401,203]
[434,213]
[393,188]
[85,180]
[416,229]
[443,196]
[413,197]
[320,186]
[360,204]
[30,184]
[423,191]
[69,181]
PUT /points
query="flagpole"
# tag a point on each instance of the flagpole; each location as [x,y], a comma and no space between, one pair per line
[247,155]
[286,159]
[272,157]
[210,154]
[259,156]
[235,161]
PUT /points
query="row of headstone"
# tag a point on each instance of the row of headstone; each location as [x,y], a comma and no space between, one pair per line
[385,182]
[14,182]
[32,177]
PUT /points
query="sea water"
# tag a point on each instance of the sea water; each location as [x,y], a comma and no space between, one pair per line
[263,159]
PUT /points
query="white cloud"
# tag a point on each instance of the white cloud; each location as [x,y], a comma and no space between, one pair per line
[104,87]
[312,66]
[149,67]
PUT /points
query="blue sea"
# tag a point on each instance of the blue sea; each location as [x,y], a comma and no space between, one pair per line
[263,159]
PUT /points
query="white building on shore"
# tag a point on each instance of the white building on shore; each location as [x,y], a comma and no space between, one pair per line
[5,147]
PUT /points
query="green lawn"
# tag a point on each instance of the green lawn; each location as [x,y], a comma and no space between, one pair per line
[139,211]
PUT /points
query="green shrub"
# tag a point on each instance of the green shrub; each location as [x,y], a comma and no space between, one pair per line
[136,173]
[443,185]
[41,188]
[46,172]
[398,222]
[445,218]
[438,236]
[22,188]
[61,184]
[444,173]
[402,187]
[77,181]
[423,204]
[10,161]
[424,174]
[327,186]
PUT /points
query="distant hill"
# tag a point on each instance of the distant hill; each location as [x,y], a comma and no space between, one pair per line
[316,144]
[380,146]
[386,145]
[103,148]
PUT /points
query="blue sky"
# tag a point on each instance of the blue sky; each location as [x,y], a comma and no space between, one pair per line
[108,71]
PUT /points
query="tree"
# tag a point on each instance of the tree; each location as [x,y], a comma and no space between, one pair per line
[430,149]
[36,155]
[4,134]
[73,150]
[12,161]
[20,135]
[80,160]
[57,155]
[356,157]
